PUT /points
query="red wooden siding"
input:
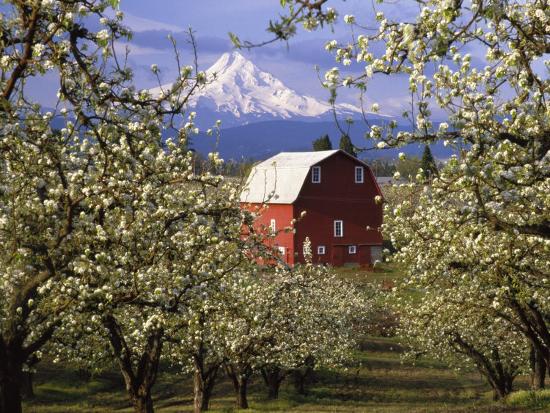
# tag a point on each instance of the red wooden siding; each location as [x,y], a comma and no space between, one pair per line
[283,214]
[338,197]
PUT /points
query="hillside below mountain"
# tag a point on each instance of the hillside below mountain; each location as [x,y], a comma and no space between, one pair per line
[263,139]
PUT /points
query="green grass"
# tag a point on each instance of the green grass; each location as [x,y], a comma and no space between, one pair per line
[384,274]
[539,399]
[378,381]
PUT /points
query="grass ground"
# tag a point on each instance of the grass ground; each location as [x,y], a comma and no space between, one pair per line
[377,382]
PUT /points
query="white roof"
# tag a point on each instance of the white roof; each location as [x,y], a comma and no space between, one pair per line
[279,179]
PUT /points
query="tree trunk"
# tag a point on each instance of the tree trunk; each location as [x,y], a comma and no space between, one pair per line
[273,378]
[204,377]
[300,382]
[203,385]
[500,376]
[11,372]
[538,369]
[502,387]
[303,374]
[199,404]
[143,403]
[11,396]
[208,389]
[138,383]
[240,385]
[534,326]
[17,348]
[26,385]
[241,393]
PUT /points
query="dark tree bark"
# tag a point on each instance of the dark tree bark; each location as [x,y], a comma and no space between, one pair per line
[303,375]
[273,377]
[138,383]
[14,382]
[27,389]
[14,351]
[300,382]
[204,380]
[534,325]
[10,383]
[538,369]
[499,376]
[239,377]
[242,393]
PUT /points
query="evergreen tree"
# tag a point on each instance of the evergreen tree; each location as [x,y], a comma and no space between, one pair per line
[322,144]
[428,163]
[347,146]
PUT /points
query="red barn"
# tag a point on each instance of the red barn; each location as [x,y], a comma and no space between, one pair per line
[337,192]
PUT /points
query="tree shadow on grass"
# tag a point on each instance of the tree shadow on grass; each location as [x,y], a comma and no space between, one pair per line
[382,377]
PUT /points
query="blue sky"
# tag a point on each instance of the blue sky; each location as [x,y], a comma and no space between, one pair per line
[211,20]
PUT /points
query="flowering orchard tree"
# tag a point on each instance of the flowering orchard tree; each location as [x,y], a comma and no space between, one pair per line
[268,320]
[234,328]
[167,248]
[200,333]
[327,314]
[305,314]
[451,326]
[70,198]
[487,214]
[196,347]
[493,281]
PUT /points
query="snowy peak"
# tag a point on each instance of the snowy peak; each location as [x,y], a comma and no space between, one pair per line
[242,93]
[232,61]
[242,89]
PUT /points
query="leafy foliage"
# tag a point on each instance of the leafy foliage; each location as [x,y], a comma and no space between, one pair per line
[347,146]
[322,144]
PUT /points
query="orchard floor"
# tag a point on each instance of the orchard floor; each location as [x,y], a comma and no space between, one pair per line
[382,383]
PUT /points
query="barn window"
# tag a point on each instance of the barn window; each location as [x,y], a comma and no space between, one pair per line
[321,250]
[338,228]
[281,250]
[316,174]
[359,174]
[273,225]
[352,249]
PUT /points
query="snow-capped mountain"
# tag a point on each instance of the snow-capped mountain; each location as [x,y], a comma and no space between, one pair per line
[242,93]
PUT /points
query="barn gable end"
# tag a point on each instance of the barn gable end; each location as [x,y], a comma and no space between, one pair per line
[328,186]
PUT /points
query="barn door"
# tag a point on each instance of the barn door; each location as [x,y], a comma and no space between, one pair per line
[364,256]
[337,255]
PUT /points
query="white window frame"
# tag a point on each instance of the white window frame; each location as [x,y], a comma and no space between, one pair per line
[336,222]
[273,225]
[281,250]
[321,250]
[352,249]
[362,180]
[315,169]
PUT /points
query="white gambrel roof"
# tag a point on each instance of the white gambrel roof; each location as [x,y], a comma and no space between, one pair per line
[279,179]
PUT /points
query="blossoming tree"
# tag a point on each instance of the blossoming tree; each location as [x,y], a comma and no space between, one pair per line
[77,203]
[487,215]
[268,320]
